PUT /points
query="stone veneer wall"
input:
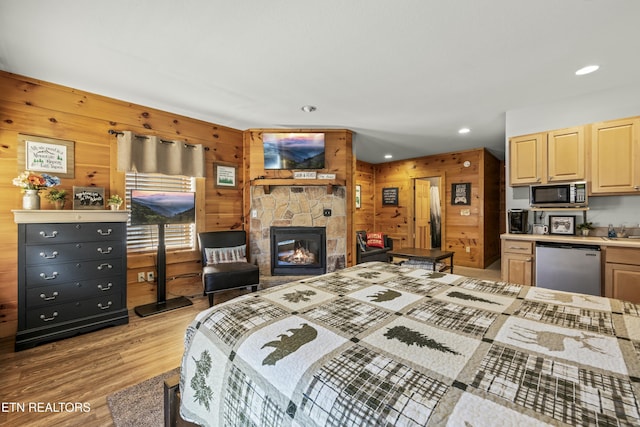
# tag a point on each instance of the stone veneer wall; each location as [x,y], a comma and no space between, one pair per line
[298,206]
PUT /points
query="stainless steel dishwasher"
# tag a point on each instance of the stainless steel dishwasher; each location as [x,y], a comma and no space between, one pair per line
[568,267]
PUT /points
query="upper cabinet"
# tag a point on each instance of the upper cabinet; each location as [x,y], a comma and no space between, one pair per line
[547,157]
[615,163]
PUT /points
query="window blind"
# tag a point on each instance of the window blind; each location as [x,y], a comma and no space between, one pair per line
[141,238]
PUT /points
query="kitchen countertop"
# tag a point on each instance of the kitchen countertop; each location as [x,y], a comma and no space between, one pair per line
[589,240]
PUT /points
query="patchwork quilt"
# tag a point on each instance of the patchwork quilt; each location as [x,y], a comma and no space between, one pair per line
[384,344]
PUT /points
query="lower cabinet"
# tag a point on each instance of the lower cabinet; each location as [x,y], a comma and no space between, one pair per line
[622,274]
[518,261]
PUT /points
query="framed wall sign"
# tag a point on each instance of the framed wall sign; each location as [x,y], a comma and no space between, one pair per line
[564,224]
[226,175]
[390,196]
[49,155]
[461,193]
[358,196]
[88,197]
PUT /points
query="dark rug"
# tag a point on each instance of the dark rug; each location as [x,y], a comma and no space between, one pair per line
[140,405]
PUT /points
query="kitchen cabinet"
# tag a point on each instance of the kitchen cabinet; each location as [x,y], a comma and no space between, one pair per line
[548,157]
[72,270]
[615,164]
[622,274]
[518,261]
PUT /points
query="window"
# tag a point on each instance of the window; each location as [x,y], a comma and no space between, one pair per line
[142,238]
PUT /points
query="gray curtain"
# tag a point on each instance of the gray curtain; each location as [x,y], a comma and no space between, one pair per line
[151,154]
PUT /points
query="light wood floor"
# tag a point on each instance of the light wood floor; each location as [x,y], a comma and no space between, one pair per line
[87,368]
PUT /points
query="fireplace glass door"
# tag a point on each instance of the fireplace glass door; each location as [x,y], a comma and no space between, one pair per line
[298,250]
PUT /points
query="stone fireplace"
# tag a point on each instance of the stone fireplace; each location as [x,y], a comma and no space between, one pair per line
[298,251]
[298,206]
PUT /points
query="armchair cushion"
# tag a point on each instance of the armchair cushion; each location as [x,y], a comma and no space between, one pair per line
[366,253]
[224,255]
[375,240]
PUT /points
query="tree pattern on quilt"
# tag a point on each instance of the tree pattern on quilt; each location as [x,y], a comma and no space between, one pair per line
[411,337]
[203,393]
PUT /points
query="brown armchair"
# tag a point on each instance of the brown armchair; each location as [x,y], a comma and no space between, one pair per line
[224,262]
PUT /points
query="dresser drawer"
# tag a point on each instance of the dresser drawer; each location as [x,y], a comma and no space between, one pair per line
[70,232]
[44,274]
[51,315]
[54,294]
[65,252]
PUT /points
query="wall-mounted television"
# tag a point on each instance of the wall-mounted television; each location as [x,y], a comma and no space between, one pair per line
[162,207]
[293,150]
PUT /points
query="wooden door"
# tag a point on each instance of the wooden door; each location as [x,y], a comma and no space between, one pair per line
[422,234]
[566,155]
[615,151]
[525,159]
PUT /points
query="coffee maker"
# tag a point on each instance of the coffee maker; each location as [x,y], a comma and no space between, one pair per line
[518,221]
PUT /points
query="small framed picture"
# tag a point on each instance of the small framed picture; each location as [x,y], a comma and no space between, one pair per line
[390,196]
[358,197]
[88,197]
[461,194]
[565,224]
[226,175]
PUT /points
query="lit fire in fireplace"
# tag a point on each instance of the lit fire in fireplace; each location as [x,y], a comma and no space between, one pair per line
[300,255]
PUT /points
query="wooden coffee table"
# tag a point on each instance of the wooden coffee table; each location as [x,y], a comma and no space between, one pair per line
[430,255]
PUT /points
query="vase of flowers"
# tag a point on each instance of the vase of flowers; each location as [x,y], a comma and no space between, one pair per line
[31,184]
[57,197]
[114,202]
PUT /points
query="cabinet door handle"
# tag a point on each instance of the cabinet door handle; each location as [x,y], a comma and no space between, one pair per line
[48,319]
[45,256]
[104,307]
[636,187]
[105,288]
[107,251]
[53,276]
[528,259]
[104,233]
[104,265]
[46,298]
[49,236]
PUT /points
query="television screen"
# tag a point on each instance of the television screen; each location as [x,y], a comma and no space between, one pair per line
[162,207]
[293,150]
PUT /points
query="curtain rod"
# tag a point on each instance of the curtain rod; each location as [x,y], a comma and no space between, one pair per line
[164,141]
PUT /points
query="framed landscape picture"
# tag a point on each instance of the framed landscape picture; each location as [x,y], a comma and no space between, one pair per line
[225,175]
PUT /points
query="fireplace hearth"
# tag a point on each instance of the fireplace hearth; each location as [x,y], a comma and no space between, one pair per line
[298,251]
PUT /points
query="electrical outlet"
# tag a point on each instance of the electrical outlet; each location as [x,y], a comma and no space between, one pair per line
[326,212]
[141,276]
[468,249]
[150,276]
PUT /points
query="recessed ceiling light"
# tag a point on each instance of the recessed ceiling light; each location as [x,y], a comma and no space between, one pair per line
[388,156]
[308,108]
[587,70]
[464,130]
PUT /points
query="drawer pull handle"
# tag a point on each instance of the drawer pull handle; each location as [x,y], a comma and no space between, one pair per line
[48,319]
[104,265]
[108,251]
[46,298]
[104,307]
[45,256]
[105,288]
[53,276]
[516,247]
[49,236]
[104,233]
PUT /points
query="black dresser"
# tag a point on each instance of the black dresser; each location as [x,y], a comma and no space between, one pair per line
[72,270]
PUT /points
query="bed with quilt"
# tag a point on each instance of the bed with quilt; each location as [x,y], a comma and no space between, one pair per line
[384,344]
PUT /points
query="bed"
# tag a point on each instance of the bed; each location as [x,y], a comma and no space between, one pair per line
[385,344]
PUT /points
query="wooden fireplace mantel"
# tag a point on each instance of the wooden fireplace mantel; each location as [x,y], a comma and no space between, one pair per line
[268,182]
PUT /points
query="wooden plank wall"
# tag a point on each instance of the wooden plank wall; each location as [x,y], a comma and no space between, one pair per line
[364,217]
[479,231]
[39,108]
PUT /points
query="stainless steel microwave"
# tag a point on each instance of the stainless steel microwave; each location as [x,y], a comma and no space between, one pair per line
[561,195]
